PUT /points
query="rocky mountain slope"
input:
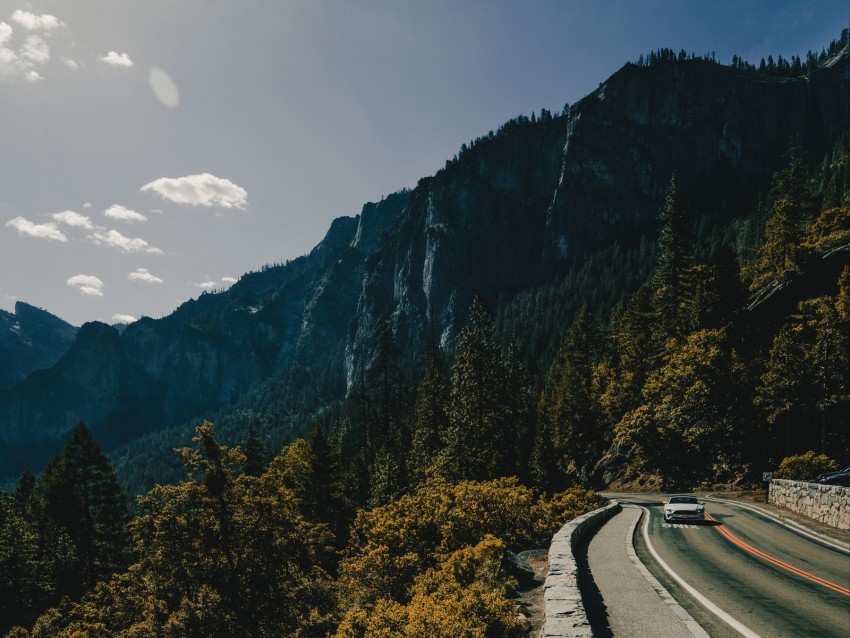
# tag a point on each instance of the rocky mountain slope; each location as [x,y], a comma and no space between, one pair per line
[516,209]
[30,339]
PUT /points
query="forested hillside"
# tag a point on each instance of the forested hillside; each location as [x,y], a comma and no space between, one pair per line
[555,210]
[699,347]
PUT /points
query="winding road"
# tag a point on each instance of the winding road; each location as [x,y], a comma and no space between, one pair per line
[739,573]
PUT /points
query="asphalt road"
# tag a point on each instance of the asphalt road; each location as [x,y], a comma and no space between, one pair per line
[796,587]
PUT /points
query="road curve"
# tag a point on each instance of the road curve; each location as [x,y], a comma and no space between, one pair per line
[609,571]
[802,591]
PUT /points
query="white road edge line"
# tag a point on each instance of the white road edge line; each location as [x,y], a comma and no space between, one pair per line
[794,527]
[705,602]
[693,626]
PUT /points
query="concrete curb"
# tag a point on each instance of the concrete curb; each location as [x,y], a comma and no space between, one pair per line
[564,614]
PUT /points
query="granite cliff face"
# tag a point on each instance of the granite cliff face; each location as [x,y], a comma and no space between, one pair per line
[519,207]
[524,205]
[720,129]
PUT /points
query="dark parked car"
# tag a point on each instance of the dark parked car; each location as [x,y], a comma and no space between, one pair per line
[826,475]
[839,478]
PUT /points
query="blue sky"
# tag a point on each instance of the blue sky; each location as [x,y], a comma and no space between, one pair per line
[151,150]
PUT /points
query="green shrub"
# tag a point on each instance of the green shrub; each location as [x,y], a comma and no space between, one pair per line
[804,466]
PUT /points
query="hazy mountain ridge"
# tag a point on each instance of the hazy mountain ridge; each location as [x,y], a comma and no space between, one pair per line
[30,339]
[513,211]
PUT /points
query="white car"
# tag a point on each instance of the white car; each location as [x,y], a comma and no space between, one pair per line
[683,508]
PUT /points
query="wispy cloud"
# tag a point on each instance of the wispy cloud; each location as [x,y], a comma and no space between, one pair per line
[116,211]
[119,318]
[35,50]
[116,240]
[42,231]
[70,63]
[121,60]
[143,275]
[229,280]
[209,284]
[73,219]
[32,22]
[199,190]
[87,284]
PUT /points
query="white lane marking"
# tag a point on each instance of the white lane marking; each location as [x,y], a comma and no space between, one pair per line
[693,626]
[705,602]
[820,538]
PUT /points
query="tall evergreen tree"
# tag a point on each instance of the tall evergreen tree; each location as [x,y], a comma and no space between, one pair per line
[629,356]
[327,498]
[571,409]
[675,256]
[81,494]
[520,413]
[782,391]
[430,418]
[255,452]
[476,438]
[791,206]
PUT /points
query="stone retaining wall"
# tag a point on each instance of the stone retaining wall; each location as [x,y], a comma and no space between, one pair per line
[828,504]
[564,615]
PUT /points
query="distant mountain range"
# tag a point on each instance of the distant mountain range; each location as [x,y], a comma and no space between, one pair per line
[515,209]
[30,339]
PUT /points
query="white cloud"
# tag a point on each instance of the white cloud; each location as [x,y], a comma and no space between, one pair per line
[199,190]
[5,33]
[35,50]
[24,60]
[87,205]
[70,63]
[209,284]
[32,22]
[87,285]
[229,280]
[42,231]
[119,318]
[74,219]
[113,238]
[143,275]
[117,59]
[116,211]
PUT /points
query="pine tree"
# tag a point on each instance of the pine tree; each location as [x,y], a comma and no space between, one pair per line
[81,494]
[630,353]
[476,438]
[520,416]
[255,452]
[24,490]
[574,421]
[430,419]
[25,583]
[791,208]
[675,256]
[784,386]
[326,501]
